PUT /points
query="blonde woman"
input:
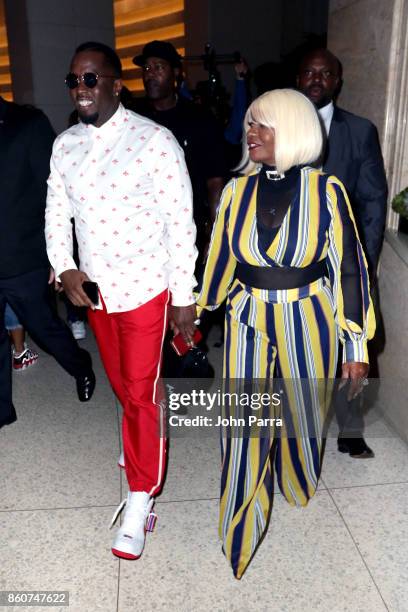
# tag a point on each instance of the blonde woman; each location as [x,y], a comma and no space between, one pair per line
[286,256]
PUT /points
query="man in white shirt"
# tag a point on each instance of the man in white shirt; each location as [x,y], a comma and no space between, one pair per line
[123,179]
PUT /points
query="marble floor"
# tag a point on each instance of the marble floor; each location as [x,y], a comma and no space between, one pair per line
[59,486]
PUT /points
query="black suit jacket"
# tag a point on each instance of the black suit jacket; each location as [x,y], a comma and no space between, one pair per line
[353,154]
[26,139]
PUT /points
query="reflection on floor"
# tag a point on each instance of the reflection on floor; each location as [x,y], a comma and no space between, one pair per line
[59,486]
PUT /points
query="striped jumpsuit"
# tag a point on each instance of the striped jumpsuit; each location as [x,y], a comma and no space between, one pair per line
[294,332]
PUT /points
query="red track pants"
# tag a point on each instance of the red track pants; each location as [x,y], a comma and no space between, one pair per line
[130,344]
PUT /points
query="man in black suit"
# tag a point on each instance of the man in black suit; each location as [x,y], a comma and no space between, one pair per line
[353,154]
[26,138]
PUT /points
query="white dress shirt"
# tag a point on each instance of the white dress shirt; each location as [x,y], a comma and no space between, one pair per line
[326,115]
[127,187]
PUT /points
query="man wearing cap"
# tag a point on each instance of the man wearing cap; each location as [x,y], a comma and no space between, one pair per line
[196,130]
[124,180]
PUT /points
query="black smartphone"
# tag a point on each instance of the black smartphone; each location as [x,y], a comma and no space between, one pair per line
[92,291]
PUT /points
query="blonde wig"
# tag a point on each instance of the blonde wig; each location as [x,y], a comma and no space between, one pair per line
[298,132]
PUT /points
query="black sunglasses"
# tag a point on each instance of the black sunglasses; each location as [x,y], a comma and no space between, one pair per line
[89,79]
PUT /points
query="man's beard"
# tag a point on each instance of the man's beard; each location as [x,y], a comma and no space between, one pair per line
[87,119]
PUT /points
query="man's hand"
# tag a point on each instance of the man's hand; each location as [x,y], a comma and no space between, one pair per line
[181,320]
[357,371]
[72,283]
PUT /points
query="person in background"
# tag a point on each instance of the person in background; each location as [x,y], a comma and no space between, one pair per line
[195,129]
[26,138]
[240,102]
[199,135]
[23,356]
[76,316]
[353,154]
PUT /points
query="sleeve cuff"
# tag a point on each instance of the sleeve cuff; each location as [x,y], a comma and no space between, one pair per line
[355,350]
[182,299]
[200,310]
[67,264]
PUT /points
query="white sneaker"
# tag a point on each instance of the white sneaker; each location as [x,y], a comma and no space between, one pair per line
[78,329]
[130,538]
[121,460]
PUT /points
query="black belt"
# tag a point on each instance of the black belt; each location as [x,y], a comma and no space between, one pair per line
[274,278]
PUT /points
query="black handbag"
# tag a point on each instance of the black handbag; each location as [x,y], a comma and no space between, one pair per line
[194,364]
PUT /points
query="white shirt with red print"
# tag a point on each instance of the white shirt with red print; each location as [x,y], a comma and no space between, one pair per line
[127,187]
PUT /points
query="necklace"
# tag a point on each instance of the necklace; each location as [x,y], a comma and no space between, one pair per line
[274,175]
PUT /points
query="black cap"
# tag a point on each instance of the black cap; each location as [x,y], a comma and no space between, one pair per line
[159,48]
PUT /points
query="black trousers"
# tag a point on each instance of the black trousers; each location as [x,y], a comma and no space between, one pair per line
[350,414]
[29,297]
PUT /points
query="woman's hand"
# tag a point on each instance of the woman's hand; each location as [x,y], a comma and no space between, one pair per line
[181,320]
[357,372]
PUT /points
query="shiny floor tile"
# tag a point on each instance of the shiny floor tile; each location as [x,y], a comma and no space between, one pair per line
[377,518]
[390,464]
[307,561]
[346,553]
[60,550]
[60,452]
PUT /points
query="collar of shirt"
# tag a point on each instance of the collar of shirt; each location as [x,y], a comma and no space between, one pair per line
[326,115]
[118,119]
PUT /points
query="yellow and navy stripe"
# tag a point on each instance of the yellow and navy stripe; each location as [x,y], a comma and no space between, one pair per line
[292,334]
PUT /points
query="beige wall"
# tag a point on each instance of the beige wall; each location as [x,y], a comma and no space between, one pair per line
[42,38]
[393,287]
[371,39]
[359,33]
